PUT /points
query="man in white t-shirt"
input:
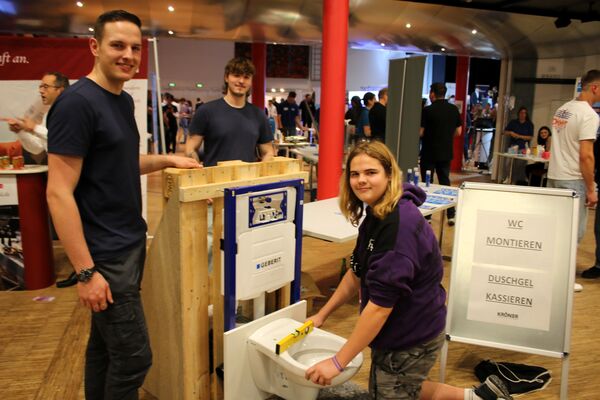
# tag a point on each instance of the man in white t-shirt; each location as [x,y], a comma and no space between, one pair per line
[574,127]
[34,137]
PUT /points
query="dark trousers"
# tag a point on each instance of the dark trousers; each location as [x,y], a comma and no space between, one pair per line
[171,140]
[442,170]
[597,236]
[289,130]
[118,354]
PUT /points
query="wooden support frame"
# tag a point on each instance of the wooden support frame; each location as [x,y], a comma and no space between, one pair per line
[177,287]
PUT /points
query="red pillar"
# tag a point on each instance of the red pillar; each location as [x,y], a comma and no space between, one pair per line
[35,232]
[259,80]
[462,79]
[333,93]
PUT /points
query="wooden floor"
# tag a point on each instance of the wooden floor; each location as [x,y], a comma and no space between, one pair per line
[42,344]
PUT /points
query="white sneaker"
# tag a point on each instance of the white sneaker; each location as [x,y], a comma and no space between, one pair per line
[577,287]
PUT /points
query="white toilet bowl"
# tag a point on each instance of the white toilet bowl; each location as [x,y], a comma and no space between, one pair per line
[283,374]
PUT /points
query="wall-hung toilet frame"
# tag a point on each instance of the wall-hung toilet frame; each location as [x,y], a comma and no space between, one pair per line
[232,237]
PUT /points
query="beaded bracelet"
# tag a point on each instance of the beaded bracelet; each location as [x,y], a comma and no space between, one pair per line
[337,364]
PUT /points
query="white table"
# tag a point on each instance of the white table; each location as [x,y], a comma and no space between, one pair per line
[530,159]
[287,146]
[324,220]
[310,154]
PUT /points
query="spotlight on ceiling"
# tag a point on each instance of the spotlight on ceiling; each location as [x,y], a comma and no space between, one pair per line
[562,22]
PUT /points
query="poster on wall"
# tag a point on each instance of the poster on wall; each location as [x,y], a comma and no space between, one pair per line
[512,266]
[12,273]
[25,60]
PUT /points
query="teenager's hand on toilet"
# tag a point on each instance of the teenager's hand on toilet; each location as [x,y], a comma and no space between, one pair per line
[317,320]
[322,372]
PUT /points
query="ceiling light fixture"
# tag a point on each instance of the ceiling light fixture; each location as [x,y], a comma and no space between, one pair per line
[474,31]
[282,90]
[443,49]
[171,32]
[79,4]
[408,25]
[562,22]
[171,8]
[273,90]
[91,29]
[382,44]
[199,85]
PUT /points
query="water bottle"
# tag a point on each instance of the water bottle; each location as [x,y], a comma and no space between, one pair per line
[416,177]
[409,175]
[427,178]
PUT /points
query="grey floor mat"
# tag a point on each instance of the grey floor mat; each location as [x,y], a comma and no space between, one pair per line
[346,391]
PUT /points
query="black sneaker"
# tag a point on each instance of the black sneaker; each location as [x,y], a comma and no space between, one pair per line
[493,389]
[591,273]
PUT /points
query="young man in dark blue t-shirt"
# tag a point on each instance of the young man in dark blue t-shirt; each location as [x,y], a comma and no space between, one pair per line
[230,127]
[94,196]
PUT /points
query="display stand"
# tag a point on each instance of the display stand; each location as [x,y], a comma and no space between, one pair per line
[26,252]
[513,271]
[177,287]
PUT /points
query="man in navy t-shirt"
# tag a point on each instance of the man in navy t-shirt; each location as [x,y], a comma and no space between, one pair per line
[230,127]
[94,195]
[290,115]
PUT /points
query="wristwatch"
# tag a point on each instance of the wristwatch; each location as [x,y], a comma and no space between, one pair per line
[86,274]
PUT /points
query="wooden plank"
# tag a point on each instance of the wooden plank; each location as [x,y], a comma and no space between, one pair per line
[228,171]
[217,299]
[214,190]
[162,303]
[194,299]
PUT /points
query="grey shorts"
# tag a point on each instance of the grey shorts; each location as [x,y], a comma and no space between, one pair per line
[400,374]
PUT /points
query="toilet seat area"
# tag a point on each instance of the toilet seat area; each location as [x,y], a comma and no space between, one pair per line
[314,347]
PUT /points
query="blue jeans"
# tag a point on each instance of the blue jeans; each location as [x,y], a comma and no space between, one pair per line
[578,185]
[272,124]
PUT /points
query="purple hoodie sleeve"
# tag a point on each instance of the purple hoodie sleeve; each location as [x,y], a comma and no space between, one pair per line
[388,278]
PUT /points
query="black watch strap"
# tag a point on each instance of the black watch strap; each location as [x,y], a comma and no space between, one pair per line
[85,274]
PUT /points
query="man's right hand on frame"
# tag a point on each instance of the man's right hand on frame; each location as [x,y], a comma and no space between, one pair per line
[95,294]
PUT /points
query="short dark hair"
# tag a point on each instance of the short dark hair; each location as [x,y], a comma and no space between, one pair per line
[60,80]
[382,93]
[439,90]
[114,16]
[292,94]
[238,66]
[592,75]
[368,97]
[526,112]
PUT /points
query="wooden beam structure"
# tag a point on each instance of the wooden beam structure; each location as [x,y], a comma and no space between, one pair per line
[178,286]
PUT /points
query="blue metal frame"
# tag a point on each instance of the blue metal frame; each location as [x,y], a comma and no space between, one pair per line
[230,242]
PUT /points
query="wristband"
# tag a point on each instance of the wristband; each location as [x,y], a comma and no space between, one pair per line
[337,364]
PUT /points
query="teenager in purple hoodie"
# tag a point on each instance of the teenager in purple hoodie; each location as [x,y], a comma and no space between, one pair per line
[397,269]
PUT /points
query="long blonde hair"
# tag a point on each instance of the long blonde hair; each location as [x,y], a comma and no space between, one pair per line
[350,205]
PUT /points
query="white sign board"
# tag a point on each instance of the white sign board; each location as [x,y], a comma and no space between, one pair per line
[510,269]
[8,190]
[513,268]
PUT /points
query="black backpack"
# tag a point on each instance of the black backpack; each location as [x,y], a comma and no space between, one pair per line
[519,378]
